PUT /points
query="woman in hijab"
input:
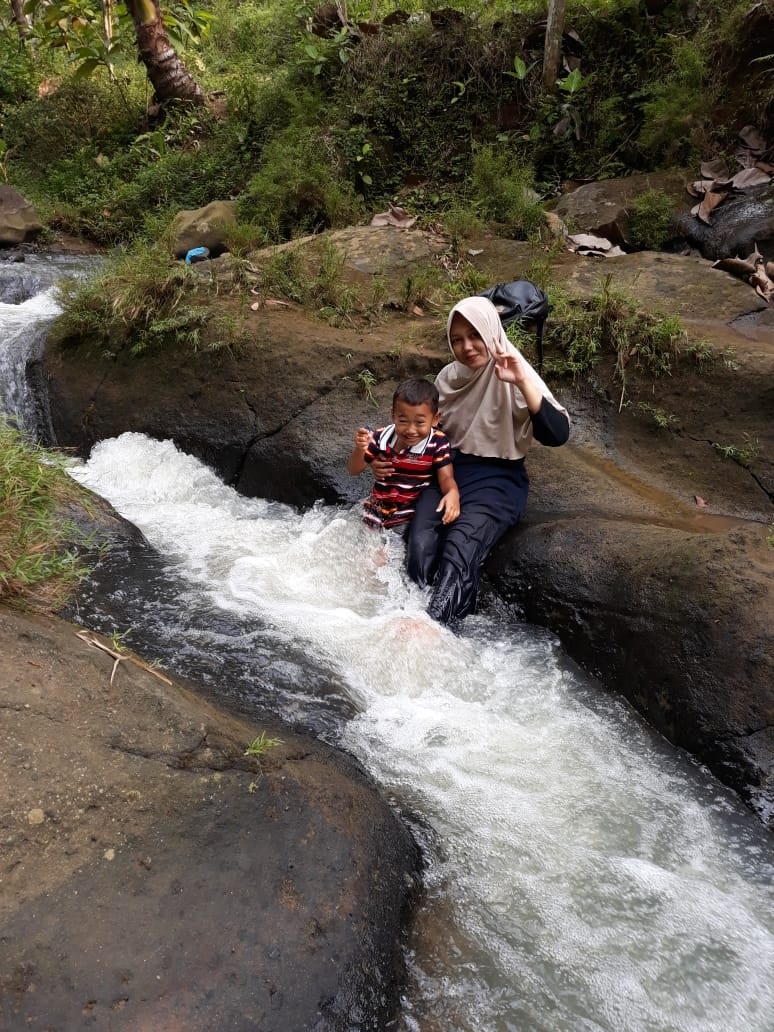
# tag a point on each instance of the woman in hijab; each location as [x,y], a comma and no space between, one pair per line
[493,406]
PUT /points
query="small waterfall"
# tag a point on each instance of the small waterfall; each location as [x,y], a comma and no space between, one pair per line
[27,308]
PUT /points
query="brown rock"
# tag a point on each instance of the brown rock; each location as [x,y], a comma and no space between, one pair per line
[19,221]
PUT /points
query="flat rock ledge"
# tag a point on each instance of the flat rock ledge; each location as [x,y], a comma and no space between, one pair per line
[154,877]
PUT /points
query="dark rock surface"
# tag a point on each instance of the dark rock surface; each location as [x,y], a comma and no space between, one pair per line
[603,207]
[737,226]
[154,877]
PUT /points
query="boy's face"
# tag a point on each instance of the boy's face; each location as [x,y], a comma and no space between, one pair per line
[412,422]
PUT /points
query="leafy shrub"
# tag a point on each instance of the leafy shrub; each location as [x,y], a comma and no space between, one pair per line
[79,113]
[113,195]
[677,106]
[143,297]
[17,82]
[610,323]
[300,187]
[263,33]
[503,191]
[38,566]
[651,220]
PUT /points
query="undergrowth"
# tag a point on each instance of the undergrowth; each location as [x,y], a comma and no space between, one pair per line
[39,564]
[143,298]
[311,131]
[609,324]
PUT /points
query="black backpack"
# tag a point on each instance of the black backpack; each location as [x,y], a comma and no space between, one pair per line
[521,301]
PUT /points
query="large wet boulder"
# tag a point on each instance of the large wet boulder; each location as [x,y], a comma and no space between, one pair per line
[19,222]
[676,620]
[737,226]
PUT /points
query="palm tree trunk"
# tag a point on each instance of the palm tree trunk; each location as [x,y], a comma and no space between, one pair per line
[169,77]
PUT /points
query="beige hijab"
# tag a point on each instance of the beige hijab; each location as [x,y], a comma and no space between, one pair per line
[481,414]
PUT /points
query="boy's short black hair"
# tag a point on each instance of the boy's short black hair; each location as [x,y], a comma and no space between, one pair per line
[417,392]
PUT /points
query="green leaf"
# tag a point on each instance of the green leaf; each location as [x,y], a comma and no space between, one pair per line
[83,71]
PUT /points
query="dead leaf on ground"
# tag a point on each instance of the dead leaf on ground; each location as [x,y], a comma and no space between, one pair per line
[716,170]
[740,267]
[751,136]
[593,246]
[710,201]
[700,186]
[394,216]
[764,287]
[750,177]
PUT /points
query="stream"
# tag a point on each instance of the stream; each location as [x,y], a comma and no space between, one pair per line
[582,874]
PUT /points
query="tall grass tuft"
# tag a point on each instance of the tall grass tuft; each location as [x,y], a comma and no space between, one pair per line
[143,296]
[39,564]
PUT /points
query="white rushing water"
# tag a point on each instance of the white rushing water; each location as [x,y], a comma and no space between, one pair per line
[19,342]
[584,875]
[27,307]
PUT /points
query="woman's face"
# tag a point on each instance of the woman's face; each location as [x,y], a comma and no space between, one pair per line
[466,342]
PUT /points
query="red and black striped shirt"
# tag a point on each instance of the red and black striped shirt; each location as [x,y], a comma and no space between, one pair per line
[392,500]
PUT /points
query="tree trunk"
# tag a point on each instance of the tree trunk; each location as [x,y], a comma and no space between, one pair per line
[107,28]
[169,77]
[553,44]
[20,18]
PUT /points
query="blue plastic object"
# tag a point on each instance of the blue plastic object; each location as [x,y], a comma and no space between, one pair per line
[197,254]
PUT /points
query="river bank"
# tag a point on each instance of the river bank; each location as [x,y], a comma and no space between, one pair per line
[154,876]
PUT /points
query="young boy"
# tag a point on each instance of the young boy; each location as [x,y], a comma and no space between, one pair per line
[416,449]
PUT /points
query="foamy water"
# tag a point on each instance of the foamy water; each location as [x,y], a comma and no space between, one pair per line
[27,308]
[583,874]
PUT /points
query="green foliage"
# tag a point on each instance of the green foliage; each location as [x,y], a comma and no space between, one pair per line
[89,116]
[143,296]
[610,324]
[312,276]
[651,220]
[743,454]
[300,188]
[660,418]
[110,179]
[38,564]
[76,27]
[701,352]
[460,223]
[503,191]
[367,381]
[261,745]
[454,122]
[17,81]
[677,105]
